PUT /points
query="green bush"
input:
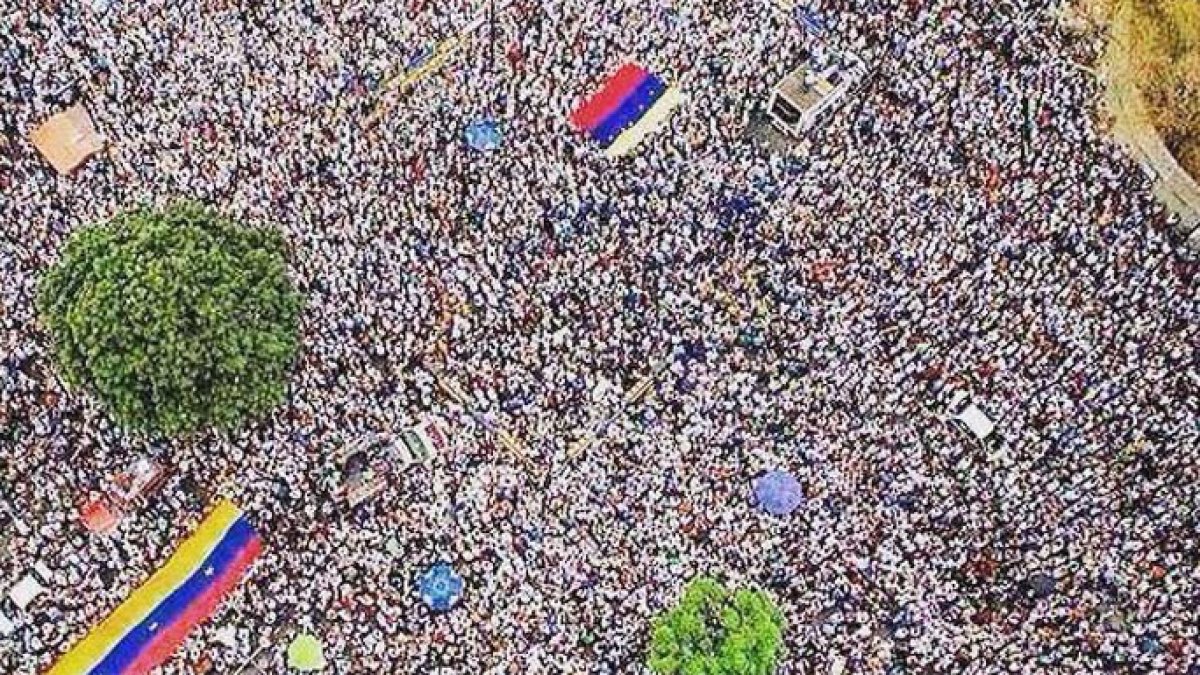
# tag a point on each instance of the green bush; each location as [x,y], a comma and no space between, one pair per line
[717,632]
[176,320]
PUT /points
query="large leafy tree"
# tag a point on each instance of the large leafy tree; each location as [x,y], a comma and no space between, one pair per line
[175,319]
[715,631]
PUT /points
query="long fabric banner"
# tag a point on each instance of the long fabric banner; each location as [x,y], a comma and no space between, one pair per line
[629,107]
[150,625]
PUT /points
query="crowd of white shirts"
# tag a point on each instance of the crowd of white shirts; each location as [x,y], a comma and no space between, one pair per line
[961,224]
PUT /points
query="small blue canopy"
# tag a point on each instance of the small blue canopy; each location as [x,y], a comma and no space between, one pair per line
[1042,585]
[440,587]
[778,492]
[484,135]
[420,57]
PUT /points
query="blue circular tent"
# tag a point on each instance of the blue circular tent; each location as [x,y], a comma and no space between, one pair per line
[440,587]
[1042,585]
[778,492]
[484,135]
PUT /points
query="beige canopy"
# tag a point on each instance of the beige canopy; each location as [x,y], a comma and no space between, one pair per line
[67,139]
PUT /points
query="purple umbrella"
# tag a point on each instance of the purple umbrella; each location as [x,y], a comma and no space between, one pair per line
[778,492]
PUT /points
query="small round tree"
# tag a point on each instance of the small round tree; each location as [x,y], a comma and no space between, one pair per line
[714,631]
[176,320]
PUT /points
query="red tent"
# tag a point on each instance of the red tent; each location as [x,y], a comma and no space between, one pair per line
[98,517]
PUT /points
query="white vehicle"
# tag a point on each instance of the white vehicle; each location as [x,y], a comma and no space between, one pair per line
[970,417]
[366,462]
[417,444]
[421,443]
[809,91]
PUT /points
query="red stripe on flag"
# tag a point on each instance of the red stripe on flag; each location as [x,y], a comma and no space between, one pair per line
[588,115]
[168,640]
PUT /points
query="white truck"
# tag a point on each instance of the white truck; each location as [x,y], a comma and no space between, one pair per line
[366,463]
[817,86]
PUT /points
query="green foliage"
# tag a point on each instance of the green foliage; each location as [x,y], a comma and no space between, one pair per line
[176,320]
[717,632]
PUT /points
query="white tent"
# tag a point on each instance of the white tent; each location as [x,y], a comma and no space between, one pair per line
[7,627]
[44,572]
[226,635]
[976,421]
[26,590]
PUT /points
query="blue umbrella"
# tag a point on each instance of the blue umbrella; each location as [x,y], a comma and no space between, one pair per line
[1042,585]
[440,587]
[1150,644]
[778,492]
[484,135]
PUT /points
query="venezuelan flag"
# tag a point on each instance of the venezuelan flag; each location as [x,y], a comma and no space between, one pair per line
[146,629]
[629,107]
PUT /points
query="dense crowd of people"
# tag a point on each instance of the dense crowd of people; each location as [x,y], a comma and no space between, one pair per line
[960,224]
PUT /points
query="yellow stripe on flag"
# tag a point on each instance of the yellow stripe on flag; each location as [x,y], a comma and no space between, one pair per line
[187,558]
[654,117]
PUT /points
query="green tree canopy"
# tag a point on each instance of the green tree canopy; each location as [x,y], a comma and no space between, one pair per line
[714,631]
[176,320]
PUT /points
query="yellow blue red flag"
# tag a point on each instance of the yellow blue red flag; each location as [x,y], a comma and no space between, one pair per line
[147,628]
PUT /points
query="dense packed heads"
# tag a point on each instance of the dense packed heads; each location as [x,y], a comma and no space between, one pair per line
[175,319]
[698,314]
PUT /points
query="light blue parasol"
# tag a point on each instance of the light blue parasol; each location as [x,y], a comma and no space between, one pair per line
[778,492]
[440,587]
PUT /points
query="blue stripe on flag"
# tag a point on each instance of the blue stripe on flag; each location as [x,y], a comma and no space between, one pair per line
[174,605]
[630,111]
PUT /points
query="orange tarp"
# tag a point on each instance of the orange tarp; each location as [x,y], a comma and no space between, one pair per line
[67,139]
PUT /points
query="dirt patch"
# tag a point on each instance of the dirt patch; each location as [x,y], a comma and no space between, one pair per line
[1155,47]
[1159,126]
